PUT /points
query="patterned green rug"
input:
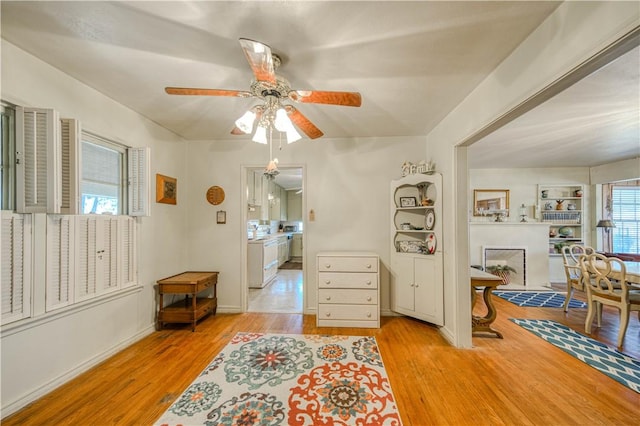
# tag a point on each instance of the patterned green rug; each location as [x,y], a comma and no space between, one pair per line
[283,379]
[618,366]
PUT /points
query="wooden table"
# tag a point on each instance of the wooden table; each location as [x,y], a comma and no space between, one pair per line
[489,282]
[633,272]
[192,308]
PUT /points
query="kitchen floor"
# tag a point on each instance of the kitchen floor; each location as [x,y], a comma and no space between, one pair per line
[282,295]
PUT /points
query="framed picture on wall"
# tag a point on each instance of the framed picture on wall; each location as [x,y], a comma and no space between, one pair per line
[166,189]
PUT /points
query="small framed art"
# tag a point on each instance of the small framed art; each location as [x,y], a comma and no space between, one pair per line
[408,202]
[166,189]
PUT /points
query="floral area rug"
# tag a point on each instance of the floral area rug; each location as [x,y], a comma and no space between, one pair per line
[283,379]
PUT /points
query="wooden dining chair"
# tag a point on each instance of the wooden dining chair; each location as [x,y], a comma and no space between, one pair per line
[571,255]
[601,290]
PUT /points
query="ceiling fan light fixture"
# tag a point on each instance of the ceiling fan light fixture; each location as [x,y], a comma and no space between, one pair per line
[260,135]
[245,123]
[282,122]
[292,134]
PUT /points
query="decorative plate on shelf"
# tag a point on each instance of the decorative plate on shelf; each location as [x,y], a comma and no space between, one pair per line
[430,219]
[431,243]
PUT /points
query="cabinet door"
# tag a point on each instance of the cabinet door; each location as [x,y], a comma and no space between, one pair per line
[296,245]
[404,283]
[294,206]
[283,204]
[428,289]
[257,188]
[251,187]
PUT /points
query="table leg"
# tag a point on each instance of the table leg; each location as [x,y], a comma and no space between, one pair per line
[483,324]
[193,304]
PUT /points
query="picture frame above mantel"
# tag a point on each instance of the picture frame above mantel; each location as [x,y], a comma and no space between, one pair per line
[490,201]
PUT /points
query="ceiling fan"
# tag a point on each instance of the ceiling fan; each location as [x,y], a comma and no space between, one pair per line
[273,90]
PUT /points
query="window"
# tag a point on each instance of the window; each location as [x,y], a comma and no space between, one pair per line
[625,213]
[50,168]
[102,178]
[8,175]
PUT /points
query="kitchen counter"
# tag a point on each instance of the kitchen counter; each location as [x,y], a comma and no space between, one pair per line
[273,236]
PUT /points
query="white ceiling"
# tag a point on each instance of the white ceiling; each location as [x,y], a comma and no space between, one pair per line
[412,62]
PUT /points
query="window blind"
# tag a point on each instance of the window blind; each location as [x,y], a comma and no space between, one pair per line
[625,204]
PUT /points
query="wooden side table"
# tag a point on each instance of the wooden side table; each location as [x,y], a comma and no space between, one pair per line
[489,281]
[192,308]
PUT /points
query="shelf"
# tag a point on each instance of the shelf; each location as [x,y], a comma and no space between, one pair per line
[414,208]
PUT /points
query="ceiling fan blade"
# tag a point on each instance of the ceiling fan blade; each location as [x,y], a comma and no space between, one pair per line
[260,59]
[322,97]
[303,123]
[206,92]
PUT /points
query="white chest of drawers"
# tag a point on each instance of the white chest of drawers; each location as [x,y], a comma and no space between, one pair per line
[348,289]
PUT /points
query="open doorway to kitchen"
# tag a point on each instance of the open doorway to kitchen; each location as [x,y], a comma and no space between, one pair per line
[275,229]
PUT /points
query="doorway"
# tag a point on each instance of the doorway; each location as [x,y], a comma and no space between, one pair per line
[274,227]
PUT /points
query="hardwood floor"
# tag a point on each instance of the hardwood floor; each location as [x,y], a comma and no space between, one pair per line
[518,380]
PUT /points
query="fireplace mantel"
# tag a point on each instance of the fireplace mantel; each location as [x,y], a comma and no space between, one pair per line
[532,235]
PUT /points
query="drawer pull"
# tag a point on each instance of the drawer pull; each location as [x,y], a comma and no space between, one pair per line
[369,299]
[328,297]
[328,314]
[368,314]
[327,265]
[368,266]
[327,281]
[368,282]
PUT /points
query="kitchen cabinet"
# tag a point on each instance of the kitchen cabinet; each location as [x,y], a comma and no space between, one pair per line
[254,188]
[294,206]
[348,289]
[417,279]
[262,262]
[283,249]
[283,204]
[296,245]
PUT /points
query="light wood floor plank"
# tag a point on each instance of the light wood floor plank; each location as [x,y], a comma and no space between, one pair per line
[518,380]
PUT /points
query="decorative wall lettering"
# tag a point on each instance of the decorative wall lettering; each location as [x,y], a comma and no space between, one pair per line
[421,168]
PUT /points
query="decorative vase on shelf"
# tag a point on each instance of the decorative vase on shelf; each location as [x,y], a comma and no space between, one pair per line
[578,193]
[545,193]
[559,205]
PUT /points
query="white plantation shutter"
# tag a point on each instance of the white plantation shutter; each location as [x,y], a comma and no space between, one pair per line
[60,261]
[70,133]
[15,266]
[139,181]
[38,176]
[86,256]
[110,254]
[127,227]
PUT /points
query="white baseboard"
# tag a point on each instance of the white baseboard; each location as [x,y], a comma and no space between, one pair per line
[41,391]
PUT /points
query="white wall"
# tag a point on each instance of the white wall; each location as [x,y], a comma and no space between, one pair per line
[43,354]
[615,172]
[347,186]
[523,186]
[573,33]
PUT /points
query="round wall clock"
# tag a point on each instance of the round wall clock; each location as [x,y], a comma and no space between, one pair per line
[430,220]
[215,195]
